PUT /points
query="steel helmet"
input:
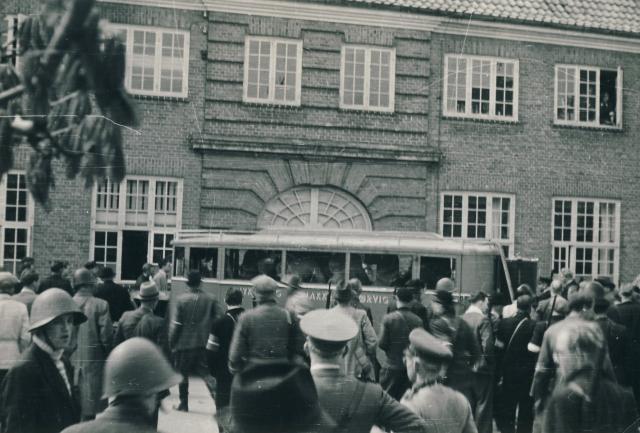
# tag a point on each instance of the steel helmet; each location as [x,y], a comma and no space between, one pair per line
[137,367]
[51,304]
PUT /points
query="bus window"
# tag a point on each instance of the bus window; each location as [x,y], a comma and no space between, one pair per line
[316,267]
[434,268]
[380,270]
[204,260]
[246,264]
[178,261]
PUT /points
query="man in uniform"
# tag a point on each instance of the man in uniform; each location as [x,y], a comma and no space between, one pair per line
[58,278]
[265,332]
[116,296]
[444,409]
[135,372]
[142,322]
[354,405]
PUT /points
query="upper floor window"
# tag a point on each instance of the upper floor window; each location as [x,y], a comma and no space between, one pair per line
[157,60]
[272,70]
[16,220]
[479,216]
[480,87]
[11,47]
[367,78]
[586,236]
[588,96]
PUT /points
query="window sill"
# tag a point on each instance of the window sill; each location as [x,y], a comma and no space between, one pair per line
[160,98]
[272,104]
[361,110]
[481,119]
[603,128]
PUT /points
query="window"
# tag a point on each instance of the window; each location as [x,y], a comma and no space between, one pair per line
[11,50]
[479,216]
[157,60]
[480,87]
[367,78]
[586,236]
[134,222]
[272,70]
[587,96]
[316,267]
[16,220]
[241,264]
[381,270]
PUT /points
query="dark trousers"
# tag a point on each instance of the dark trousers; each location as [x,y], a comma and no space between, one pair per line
[193,362]
[482,405]
[514,398]
[394,381]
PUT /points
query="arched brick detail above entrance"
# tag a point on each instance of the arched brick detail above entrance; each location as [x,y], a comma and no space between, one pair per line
[315,207]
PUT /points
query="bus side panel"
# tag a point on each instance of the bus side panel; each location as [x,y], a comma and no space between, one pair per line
[478,273]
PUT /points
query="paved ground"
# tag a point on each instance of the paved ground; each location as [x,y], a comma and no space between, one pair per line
[199,419]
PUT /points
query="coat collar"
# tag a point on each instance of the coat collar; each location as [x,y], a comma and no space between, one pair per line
[51,375]
[129,412]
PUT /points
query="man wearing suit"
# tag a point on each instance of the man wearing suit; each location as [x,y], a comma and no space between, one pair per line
[355,406]
[518,364]
[37,395]
[188,332]
[27,295]
[142,322]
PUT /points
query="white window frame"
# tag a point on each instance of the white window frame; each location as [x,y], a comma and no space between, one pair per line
[270,99]
[12,38]
[576,107]
[28,224]
[510,242]
[573,243]
[367,78]
[468,114]
[121,224]
[157,60]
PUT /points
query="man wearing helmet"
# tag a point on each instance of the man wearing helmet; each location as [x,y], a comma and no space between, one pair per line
[37,395]
[135,372]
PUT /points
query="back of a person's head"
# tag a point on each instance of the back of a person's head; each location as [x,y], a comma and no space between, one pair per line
[524,302]
[479,296]
[580,301]
[523,289]
[404,294]
[355,285]
[233,297]
[556,287]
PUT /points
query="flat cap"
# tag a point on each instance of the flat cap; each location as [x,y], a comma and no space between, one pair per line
[329,326]
[427,346]
[264,285]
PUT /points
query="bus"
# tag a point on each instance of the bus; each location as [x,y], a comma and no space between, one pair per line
[381,260]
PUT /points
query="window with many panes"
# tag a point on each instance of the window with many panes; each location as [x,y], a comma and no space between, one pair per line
[588,96]
[134,222]
[586,236]
[480,87]
[367,78]
[272,70]
[11,47]
[16,220]
[157,60]
[468,215]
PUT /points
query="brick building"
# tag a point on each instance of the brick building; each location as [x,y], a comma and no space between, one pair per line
[505,120]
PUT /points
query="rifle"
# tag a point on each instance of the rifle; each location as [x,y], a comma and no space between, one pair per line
[328,305]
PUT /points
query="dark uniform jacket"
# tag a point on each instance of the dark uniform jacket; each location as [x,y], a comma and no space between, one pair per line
[141,323]
[265,332]
[117,297]
[617,341]
[34,397]
[370,405]
[191,322]
[464,345]
[56,280]
[418,309]
[517,361]
[116,419]
[222,333]
[394,335]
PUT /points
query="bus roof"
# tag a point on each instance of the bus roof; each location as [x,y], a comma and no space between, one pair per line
[338,240]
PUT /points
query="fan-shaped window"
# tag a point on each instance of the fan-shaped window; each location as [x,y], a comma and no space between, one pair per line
[315,207]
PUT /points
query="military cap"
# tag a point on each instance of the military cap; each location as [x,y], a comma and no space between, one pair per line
[264,285]
[329,330]
[427,346]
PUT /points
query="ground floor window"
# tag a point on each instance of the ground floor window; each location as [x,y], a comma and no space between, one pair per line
[586,237]
[16,220]
[134,222]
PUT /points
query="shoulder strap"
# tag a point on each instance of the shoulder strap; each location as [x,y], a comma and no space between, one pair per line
[348,413]
[515,332]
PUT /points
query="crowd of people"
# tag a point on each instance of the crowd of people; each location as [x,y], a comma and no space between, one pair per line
[77,354]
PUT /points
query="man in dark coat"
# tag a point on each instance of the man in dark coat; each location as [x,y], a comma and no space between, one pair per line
[142,322]
[37,395]
[218,351]
[59,278]
[394,339]
[191,321]
[116,296]
[616,338]
[135,372]
[416,306]
[354,405]
[518,363]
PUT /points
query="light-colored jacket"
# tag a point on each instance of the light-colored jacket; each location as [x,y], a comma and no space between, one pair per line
[14,335]
[362,347]
[95,337]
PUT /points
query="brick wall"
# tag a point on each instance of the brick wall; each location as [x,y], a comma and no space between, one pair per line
[535,159]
